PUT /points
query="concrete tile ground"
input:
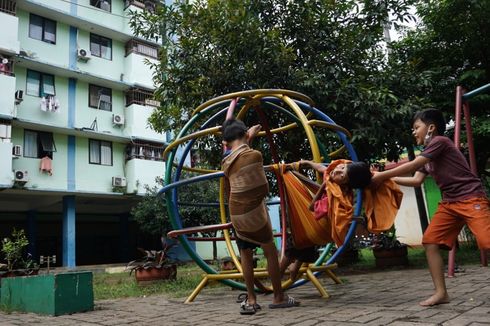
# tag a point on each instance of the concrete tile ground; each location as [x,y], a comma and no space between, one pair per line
[384,298]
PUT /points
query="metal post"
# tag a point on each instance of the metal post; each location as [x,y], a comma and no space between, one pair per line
[473,166]
[457,138]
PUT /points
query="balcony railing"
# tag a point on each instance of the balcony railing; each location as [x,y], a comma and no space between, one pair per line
[139,47]
[140,96]
[149,5]
[8,6]
[145,151]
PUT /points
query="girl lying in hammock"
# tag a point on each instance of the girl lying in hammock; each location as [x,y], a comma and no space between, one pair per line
[334,203]
[347,176]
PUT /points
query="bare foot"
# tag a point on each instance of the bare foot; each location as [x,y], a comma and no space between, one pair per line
[435,300]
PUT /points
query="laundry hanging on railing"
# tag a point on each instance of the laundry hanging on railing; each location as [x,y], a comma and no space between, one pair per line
[50,104]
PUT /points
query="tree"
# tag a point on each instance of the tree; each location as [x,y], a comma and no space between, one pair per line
[452,44]
[151,212]
[330,50]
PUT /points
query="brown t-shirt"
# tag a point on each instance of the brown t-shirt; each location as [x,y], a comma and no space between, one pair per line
[450,170]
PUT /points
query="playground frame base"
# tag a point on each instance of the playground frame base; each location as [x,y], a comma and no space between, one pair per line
[304,272]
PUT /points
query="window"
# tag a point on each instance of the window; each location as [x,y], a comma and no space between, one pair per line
[100,97]
[101,4]
[101,46]
[40,84]
[100,152]
[134,46]
[42,29]
[38,144]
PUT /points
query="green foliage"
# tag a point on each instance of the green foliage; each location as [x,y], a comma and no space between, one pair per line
[329,50]
[451,44]
[151,212]
[13,247]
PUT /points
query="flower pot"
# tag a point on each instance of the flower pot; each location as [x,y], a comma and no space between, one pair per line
[152,274]
[391,257]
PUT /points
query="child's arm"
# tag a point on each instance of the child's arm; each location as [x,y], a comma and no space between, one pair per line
[252,132]
[318,194]
[414,181]
[406,168]
[320,168]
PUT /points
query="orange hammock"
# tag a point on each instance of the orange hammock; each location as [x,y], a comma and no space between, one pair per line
[380,206]
[306,230]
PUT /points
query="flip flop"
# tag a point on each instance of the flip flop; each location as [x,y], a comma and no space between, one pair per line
[290,302]
[244,297]
[246,308]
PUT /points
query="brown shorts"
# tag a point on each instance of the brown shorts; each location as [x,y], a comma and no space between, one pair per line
[450,218]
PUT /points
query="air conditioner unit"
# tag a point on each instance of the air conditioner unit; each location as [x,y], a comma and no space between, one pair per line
[19,96]
[118,181]
[17,150]
[83,55]
[21,176]
[118,119]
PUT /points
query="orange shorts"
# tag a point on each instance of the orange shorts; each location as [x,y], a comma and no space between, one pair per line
[450,218]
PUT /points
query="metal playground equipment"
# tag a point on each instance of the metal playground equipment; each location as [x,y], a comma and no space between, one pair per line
[302,115]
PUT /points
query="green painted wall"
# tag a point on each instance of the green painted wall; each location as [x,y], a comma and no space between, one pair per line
[93,177]
[85,115]
[110,69]
[88,177]
[37,179]
[56,54]
[30,108]
[101,17]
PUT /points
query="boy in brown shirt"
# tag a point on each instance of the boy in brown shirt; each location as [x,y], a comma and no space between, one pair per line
[463,198]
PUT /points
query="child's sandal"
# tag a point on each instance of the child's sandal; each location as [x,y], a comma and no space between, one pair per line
[246,308]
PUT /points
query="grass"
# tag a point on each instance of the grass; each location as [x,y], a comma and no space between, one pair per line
[466,255]
[121,285]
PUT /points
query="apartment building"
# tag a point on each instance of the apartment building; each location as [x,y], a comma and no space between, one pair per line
[75,146]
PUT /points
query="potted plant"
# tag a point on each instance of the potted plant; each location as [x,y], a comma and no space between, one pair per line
[154,265]
[13,248]
[388,251]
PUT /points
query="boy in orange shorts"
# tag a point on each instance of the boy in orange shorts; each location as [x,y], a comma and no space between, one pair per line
[463,197]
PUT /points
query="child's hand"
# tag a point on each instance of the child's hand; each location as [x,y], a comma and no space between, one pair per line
[312,206]
[253,131]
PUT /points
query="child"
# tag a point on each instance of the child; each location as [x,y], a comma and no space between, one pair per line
[248,186]
[344,176]
[294,258]
[463,198]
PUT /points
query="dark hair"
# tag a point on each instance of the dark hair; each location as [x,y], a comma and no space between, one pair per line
[233,129]
[432,116]
[359,174]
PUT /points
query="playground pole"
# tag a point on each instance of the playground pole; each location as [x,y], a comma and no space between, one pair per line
[473,167]
[457,135]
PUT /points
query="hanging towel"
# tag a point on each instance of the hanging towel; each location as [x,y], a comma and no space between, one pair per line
[46,165]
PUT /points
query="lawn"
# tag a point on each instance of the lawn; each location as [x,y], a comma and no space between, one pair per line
[121,285]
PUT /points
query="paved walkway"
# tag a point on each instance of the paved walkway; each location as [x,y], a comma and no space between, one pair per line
[384,298]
